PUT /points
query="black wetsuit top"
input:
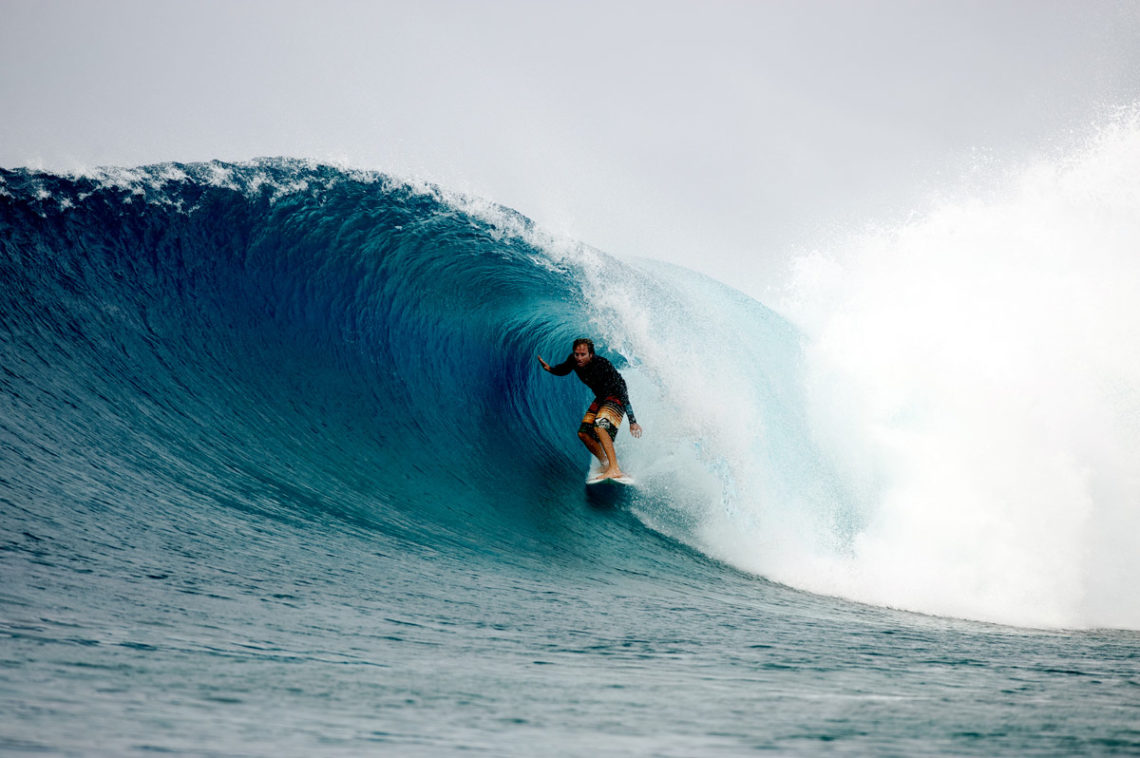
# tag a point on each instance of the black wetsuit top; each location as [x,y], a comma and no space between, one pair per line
[601,377]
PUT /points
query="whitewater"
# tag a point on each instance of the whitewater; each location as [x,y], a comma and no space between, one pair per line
[281,475]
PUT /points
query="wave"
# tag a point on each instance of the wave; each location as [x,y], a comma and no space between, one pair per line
[303,342]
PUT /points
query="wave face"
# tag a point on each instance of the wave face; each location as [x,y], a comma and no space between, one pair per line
[286,339]
[300,343]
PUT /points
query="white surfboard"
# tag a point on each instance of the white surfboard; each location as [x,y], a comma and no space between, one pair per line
[594,475]
[625,479]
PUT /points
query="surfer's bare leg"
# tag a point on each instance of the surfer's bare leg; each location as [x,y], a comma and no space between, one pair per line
[594,448]
[607,443]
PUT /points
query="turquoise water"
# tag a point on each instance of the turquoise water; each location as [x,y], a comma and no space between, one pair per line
[256,499]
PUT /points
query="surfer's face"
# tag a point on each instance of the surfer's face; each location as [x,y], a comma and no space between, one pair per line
[582,355]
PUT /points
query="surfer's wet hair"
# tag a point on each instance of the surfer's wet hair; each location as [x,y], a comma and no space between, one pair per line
[589,343]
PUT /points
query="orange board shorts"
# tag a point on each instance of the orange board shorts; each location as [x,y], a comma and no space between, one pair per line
[604,413]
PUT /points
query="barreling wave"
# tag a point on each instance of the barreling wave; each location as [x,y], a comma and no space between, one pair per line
[320,340]
[303,343]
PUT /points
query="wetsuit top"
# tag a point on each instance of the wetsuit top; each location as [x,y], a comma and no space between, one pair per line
[601,377]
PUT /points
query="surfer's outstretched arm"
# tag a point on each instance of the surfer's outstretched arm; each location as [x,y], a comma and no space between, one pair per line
[562,369]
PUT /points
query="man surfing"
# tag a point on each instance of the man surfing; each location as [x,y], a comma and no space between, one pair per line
[611,402]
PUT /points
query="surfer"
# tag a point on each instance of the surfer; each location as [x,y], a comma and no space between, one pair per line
[611,403]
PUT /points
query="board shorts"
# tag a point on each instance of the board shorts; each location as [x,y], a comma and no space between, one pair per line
[606,414]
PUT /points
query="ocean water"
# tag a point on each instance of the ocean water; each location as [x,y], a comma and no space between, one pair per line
[280,475]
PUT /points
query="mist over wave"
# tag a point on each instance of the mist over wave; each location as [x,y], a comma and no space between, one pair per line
[974,374]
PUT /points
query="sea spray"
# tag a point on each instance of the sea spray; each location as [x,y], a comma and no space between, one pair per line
[975,375]
[728,464]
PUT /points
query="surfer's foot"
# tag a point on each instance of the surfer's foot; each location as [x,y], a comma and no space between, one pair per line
[611,473]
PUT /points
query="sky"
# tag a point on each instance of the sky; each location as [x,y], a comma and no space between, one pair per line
[723,136]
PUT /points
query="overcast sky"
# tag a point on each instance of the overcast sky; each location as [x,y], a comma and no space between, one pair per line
[718,135]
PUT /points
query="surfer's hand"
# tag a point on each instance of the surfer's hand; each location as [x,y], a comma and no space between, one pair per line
[635,430]
[545,365]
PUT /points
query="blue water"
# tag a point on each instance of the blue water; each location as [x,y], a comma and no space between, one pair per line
[280,475]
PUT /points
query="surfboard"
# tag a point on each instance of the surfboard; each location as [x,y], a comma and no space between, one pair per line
[595,469]
[625,479]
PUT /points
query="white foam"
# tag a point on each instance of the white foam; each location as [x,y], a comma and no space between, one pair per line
[977,373]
